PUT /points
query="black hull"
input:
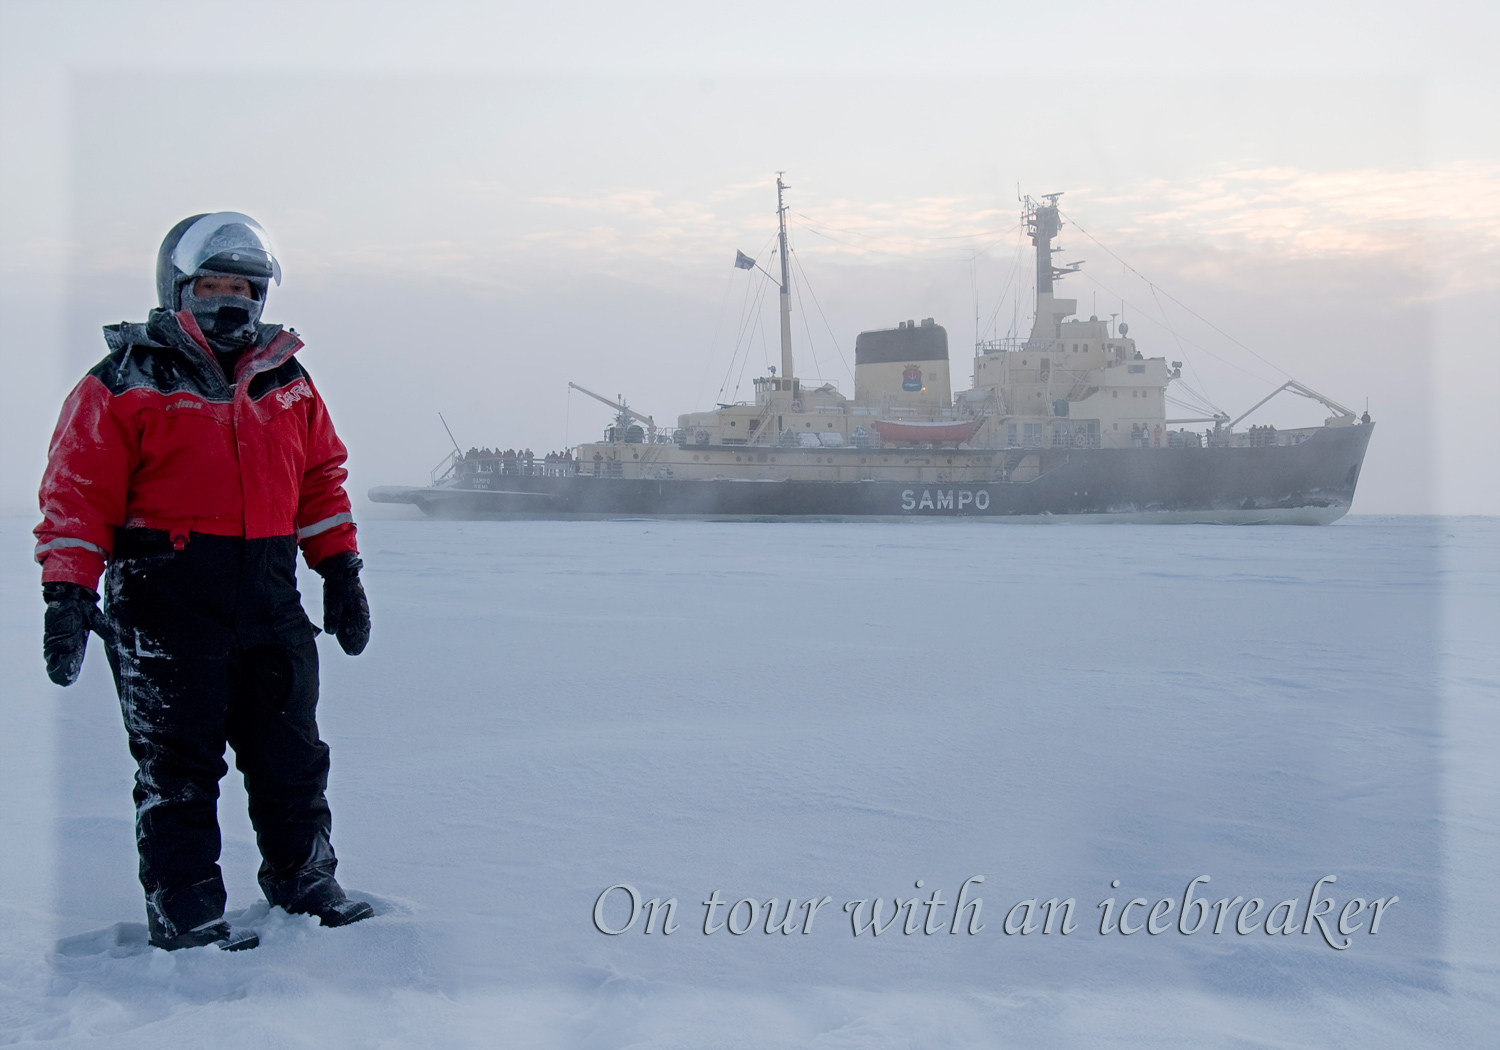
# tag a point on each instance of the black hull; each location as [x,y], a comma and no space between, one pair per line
[1311,483]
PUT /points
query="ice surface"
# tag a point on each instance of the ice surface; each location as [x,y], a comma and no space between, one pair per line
[795,710]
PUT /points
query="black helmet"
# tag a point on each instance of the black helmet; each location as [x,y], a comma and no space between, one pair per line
[221,242]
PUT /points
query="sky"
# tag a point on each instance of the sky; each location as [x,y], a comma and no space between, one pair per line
[476,204]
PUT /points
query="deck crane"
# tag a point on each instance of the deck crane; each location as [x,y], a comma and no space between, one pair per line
[623,412]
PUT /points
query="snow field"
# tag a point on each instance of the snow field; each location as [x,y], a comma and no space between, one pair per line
[801,710]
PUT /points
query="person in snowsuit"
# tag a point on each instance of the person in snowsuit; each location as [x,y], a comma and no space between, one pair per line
[193,461]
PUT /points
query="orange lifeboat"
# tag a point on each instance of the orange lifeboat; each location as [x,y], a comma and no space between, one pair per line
[894,432]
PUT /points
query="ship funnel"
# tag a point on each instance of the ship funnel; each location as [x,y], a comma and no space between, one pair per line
[906,365]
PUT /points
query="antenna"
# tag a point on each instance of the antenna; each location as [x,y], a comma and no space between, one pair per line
[450,434]
[974,284]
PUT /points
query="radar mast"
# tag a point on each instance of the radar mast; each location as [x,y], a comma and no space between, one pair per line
[1044,223]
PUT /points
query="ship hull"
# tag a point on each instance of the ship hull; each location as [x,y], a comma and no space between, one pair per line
[1311,483]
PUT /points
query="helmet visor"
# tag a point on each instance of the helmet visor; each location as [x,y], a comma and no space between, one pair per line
[227,242]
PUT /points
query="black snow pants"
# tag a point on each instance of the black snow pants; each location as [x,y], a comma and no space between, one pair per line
[213,648]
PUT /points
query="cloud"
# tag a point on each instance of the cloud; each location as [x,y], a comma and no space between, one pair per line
[1446,217]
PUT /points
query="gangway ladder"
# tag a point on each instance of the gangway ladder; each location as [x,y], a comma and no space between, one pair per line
[451,460]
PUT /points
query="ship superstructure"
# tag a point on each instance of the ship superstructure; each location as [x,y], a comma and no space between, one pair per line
[1069,422]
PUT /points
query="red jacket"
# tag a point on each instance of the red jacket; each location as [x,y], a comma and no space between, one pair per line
[156,437]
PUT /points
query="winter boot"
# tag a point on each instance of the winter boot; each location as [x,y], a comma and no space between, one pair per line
[216,932]
[343,911]
[325,898]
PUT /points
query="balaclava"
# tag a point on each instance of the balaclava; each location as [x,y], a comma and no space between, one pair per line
[228,321]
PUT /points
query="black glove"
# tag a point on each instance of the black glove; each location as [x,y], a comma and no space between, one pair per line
[346,612]
[72,611]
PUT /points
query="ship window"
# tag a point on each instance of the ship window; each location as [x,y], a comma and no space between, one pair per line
[731,422]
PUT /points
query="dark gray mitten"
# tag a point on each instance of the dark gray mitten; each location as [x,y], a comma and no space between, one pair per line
[346,611]
[72,611]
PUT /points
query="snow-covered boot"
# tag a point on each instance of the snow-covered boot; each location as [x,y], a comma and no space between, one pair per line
[325,898]
[216,932]
[343,911]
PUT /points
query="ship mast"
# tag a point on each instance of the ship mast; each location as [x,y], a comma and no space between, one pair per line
[1044,223]
[786,289]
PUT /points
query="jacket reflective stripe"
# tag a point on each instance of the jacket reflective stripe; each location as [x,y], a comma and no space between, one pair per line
[323,526]
[68,541]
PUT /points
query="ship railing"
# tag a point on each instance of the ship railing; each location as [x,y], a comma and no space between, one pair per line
[520,467]
[1257,437]
[1269,436]
[1008,345]
[1183,439]
[440,472]
[1076,439]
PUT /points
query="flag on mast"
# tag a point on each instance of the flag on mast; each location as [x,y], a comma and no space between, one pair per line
[743,261]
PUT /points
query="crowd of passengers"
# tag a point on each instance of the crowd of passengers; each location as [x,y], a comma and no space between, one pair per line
[1143,436]
[511,461]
